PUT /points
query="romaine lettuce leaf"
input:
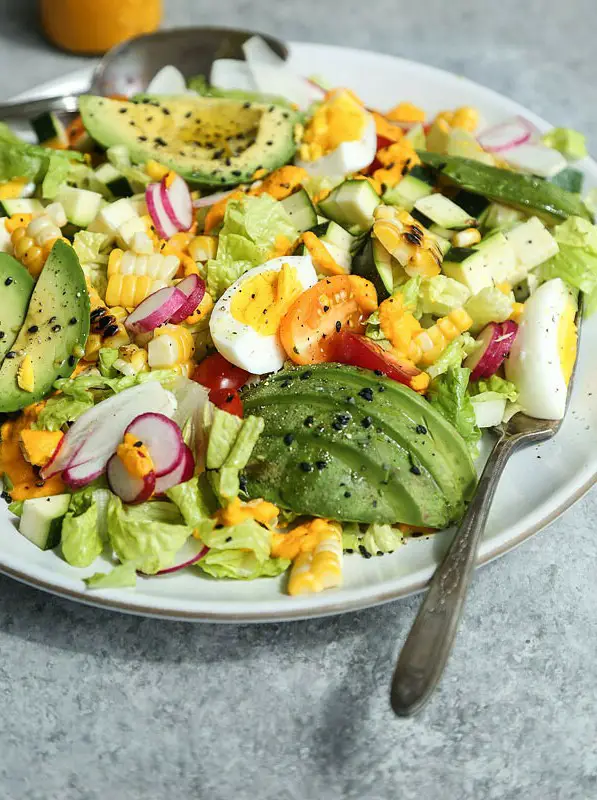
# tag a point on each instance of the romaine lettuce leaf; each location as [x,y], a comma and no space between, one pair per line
[21,160]
[149,534]
[375,540]
[241,565]
[247,238]
[569,142]
[448,395]
[106,358]
[440,295]
[453,355]
[489,305]
[496,385]
[81,541]
[194,499]
[61,409]
[576,261]
[122,576]
[239,551]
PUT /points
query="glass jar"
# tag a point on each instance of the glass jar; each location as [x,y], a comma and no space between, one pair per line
[91,27]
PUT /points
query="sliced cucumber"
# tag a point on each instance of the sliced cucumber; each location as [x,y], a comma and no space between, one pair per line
[47,127]
[407,192]
[499,217]
[118,185]
[41,521]
[491,261]
[373,262]
[80,205]
[340,256]
[21,205]
[118,156]
[533,244]
[473,204]
[301,210]
[338,236]
[416,136]
[444,212]
[112,216]
[351,205]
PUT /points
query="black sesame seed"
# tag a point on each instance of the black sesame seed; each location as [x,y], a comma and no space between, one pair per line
[285,384]
[366,394]
[33,329]
[366,422]
[142,138]
[306,375]
[242,483]
[351,400]
[2,334]
[72,321]
[415,470]
[326,309]
[306,467]
[421,429]
[8,281]
[40,483]
[338,326]
[229,398]
[320,464]
[347,494]
[289,439]
[51,320]
[122,110]
[364,552]
[10,354]
[309,421]
[72,361]
[378,372]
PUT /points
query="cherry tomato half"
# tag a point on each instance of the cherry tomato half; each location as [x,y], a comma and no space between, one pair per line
[216,373]
[331,305]
[359,351]
[227,400]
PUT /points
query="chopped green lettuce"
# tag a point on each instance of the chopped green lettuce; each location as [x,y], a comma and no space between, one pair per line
[453,355]
[81,540]
[448,395]
[569,142]
[374,541]
[222,435]
[194,499]
[106,358]
[441,295]
[576,261]
[93,257]
[122,576]
[247,238]
[239,551]
[238,457]
[489,305]
[55,177]
[374,331]
[21,160]
[149,534]
[496,385]
[61,409]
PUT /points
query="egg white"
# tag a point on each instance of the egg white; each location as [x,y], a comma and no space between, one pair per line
[534,361]
[348,156]
[241,344]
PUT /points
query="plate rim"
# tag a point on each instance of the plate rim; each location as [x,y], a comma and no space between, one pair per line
[327,605]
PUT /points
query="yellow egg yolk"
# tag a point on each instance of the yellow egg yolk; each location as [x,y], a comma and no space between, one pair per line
[135,456]
[237,512]
[567,341]
[302,539]
[262,301]
[340,118]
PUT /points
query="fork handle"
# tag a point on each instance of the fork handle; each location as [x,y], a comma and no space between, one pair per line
[26,109]
[428,645]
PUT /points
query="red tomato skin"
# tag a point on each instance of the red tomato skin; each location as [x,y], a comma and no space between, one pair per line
[227,400]
[215,372]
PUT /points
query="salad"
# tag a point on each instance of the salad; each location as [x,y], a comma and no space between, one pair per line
[249,325]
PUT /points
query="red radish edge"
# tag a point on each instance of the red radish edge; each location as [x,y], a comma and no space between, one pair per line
[496,342]
[194,289]
[511,133]
[157,212]
[183,471]
[212,199]
[82,474]
[163,439]
[192,551]
[129,488]
[47,471]
[155,310]
[177,203]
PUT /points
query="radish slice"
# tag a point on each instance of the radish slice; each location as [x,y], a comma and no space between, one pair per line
[511,133]
[192,551]
[97,433]
[169,80]
[163,439]
[212,199]
[536,159]
[495,341]
[182,472]
[163,224]
[194,289]
[231,73]
[177,203]
[82,474]
[130,488]
[155,310]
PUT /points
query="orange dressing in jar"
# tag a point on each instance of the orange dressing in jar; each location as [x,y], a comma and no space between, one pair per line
[94,26]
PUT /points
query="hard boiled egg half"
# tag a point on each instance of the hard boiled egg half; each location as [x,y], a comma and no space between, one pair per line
[542,357]
[245,320]
[339,138]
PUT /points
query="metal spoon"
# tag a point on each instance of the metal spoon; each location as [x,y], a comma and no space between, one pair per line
[129,67]
[428,645]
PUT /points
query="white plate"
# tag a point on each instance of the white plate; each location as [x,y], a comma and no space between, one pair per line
[539,484]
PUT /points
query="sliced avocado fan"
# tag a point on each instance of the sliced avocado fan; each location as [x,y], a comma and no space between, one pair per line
[207,140]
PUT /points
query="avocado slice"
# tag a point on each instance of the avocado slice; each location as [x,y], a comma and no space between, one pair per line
[16,286]
[207,140]
[526,192]
[54,332]
[344,443]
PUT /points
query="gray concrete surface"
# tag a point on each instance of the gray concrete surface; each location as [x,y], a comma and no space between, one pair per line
[97,705]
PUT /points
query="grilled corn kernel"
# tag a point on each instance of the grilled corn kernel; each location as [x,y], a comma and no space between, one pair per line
[466,238]
[321,568]
[428,345]
[465,117]
[517,312]
[202,248]
[130,290]
[17,221]
[172,344]
[155,171]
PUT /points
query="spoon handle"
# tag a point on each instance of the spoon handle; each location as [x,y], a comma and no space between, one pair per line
[26,109]
[428,645]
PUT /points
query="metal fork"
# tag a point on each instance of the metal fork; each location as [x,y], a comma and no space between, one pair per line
[427,648]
